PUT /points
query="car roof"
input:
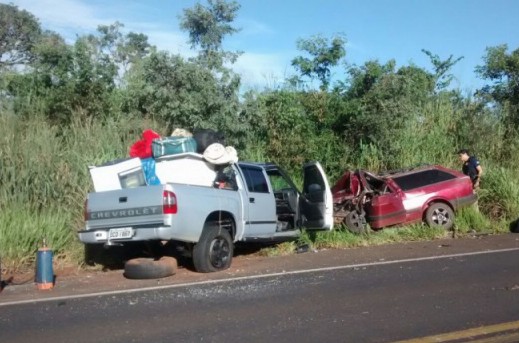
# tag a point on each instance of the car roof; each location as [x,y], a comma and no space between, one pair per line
[264,165]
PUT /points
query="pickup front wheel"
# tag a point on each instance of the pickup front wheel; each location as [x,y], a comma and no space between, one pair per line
[214,251]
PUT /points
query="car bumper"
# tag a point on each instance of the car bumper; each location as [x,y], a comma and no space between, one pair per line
[97,236]
[466,201]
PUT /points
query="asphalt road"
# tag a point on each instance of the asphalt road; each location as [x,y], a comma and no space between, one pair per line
[368,303]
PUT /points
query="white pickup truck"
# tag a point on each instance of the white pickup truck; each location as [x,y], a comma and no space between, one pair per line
[248,202]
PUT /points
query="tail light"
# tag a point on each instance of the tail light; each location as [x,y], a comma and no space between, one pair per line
[169,202]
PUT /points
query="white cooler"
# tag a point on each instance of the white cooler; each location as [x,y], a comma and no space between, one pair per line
[124,174]
[187,168]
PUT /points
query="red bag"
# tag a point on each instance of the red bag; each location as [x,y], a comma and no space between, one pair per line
[142,148]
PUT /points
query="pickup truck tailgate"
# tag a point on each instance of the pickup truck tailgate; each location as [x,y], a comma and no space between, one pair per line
[139,206]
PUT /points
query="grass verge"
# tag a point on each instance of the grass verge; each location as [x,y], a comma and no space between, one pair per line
[468,222]
[23,228]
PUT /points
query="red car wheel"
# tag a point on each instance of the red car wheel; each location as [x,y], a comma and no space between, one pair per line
[440,214]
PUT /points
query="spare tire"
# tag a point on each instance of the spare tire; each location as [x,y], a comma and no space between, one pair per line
[147,268]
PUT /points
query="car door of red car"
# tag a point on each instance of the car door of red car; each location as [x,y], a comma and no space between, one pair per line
[387,208]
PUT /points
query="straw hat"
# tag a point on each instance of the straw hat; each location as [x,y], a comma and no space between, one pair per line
[216,153]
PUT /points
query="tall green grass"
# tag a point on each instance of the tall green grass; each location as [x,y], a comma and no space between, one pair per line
[499,194]
[45,178]
[23,228]
[471,220]
[432,134]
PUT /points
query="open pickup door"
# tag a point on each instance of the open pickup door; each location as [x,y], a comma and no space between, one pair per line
[316,202]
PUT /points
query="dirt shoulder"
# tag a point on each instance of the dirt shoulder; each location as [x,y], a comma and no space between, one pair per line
[79,282]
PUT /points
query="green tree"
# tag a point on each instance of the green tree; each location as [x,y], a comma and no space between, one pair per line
[122,49]
[52,67]
[378,103]
[181,93]
[43,87]
[324,54]
[502,69]
[362,79]
[442,75]
[93,77]
[19,32]
[86,77]
[207,27]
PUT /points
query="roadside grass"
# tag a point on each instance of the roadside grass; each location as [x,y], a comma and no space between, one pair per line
[499,196]
[472,220]
[340,238]
[281,249]
[469,221]
[23,229]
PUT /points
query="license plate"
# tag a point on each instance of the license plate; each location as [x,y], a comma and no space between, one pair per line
[121,233]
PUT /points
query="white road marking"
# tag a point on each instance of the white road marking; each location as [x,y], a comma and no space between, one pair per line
[252,277]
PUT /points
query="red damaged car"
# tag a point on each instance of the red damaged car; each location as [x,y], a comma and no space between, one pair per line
[430,193]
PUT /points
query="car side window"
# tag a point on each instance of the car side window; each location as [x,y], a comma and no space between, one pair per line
[256,181]
[422,178]
[376,184]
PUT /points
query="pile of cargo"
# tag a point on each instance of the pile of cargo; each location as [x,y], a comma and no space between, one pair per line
[182,157]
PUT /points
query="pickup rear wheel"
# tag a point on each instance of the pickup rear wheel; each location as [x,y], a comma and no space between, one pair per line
[440,214]
[214,250]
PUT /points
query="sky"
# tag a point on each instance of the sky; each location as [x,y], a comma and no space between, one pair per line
[374,29]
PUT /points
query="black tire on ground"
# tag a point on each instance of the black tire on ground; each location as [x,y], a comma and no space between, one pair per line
[147,268]
[355,222]
[214,250]
[440,214]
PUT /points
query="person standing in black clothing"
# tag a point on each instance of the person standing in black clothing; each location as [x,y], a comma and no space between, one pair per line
[471,167]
